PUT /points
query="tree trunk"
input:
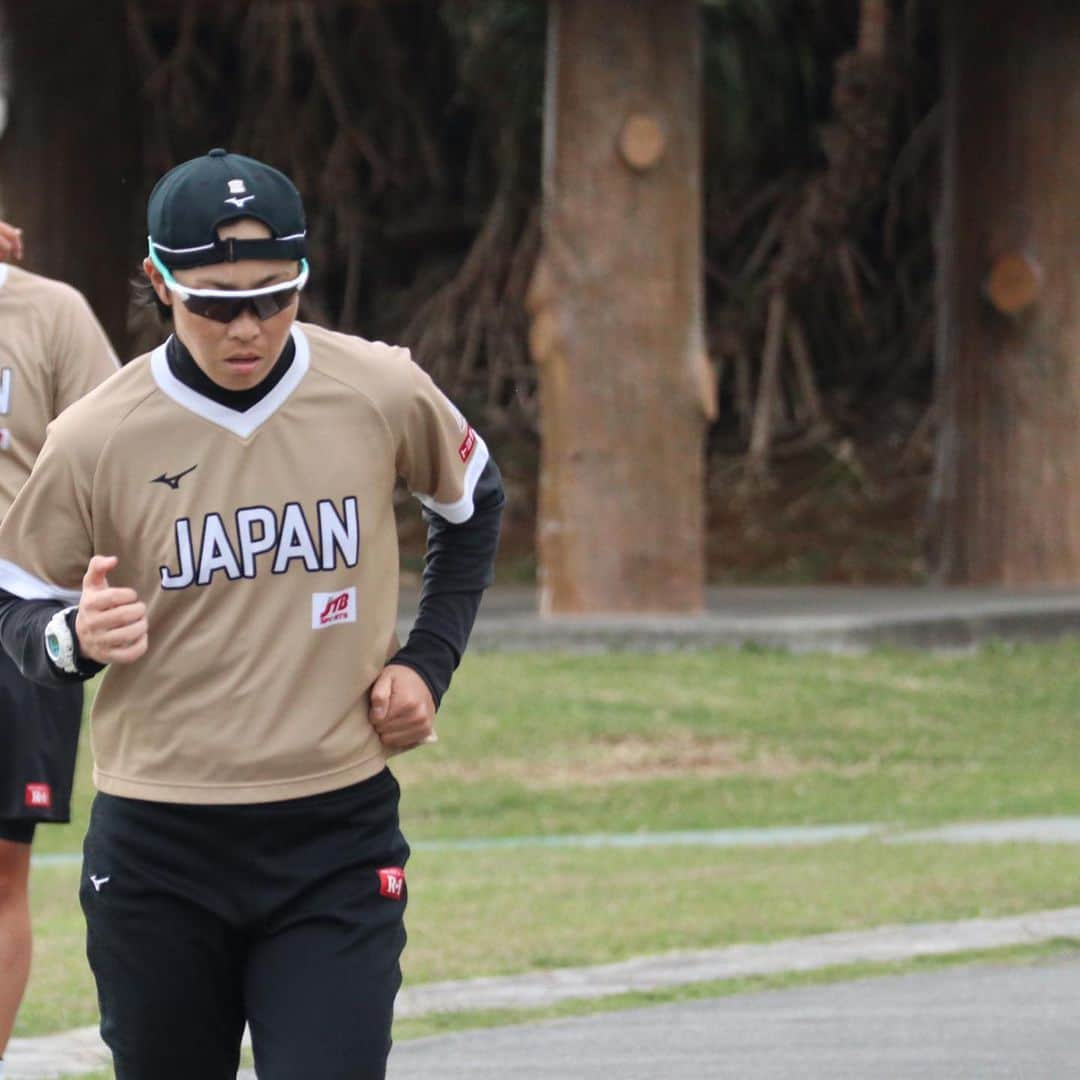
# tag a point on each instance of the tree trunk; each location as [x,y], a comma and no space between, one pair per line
[616,302]
[1005,506]
[70,172]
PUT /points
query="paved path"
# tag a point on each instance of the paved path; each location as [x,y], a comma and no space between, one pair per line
[880,945]
[81,1051]
[839,618]
[978,1022]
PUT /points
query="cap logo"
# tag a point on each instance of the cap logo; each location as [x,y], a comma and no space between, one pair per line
[236,190]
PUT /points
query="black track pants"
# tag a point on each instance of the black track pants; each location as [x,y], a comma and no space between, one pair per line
[285,915]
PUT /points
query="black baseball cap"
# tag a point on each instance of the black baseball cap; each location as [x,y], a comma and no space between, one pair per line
[191,200]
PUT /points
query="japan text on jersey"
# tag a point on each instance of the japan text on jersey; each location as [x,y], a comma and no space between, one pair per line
[259,537]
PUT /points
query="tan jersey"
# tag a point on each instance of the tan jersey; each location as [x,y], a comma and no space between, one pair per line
[52,352]
[265,547]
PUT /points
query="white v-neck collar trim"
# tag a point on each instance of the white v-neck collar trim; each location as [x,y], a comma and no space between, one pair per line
[244,423]
[3,274]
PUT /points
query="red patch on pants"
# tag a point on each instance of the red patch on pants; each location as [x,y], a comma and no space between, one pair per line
[39,796]
[392,882]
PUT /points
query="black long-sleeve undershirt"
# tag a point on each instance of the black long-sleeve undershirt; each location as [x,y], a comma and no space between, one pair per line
[458,567]
[22,634]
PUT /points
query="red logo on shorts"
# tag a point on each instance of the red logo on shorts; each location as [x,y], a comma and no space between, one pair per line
[392,882]
[466,447]
[39,796]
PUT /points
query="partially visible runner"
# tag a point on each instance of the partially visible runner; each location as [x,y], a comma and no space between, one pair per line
[222,514]
[52,351]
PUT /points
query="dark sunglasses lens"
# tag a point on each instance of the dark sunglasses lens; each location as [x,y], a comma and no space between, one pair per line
[272,303]
[215,307]
[224,310]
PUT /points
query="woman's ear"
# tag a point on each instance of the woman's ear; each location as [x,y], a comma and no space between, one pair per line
[158,282]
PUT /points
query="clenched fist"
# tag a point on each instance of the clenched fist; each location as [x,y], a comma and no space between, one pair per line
[111,623]
[402,709]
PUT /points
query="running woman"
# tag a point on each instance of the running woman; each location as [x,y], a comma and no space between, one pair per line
[215,527]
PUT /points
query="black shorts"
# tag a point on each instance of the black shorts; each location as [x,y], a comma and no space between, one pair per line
[39,737]
[18,832]
[287,916]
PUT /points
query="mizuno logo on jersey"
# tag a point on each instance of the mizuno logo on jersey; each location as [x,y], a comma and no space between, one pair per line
[173,481]
[261,538]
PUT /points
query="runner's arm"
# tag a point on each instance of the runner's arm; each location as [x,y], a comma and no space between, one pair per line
[458,568]
[22,635]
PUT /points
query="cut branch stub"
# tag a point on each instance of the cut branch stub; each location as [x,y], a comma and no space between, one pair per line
[543,335]
[642,141]
[1014,282]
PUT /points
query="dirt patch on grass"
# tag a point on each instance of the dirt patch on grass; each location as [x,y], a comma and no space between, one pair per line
[621,758]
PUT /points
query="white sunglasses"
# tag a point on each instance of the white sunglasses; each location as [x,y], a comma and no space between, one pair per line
[225,305]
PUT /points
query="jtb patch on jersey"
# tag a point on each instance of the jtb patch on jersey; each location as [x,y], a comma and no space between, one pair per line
[328,608]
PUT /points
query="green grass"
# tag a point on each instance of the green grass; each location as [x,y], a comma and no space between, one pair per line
[552,743]
[61,993]
[560,908]
[565,744]
[539,744]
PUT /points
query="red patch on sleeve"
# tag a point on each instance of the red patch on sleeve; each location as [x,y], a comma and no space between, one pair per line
[392,882]
[39,796]
[467,444]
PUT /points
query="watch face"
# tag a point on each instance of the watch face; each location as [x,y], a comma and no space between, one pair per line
[52,643]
